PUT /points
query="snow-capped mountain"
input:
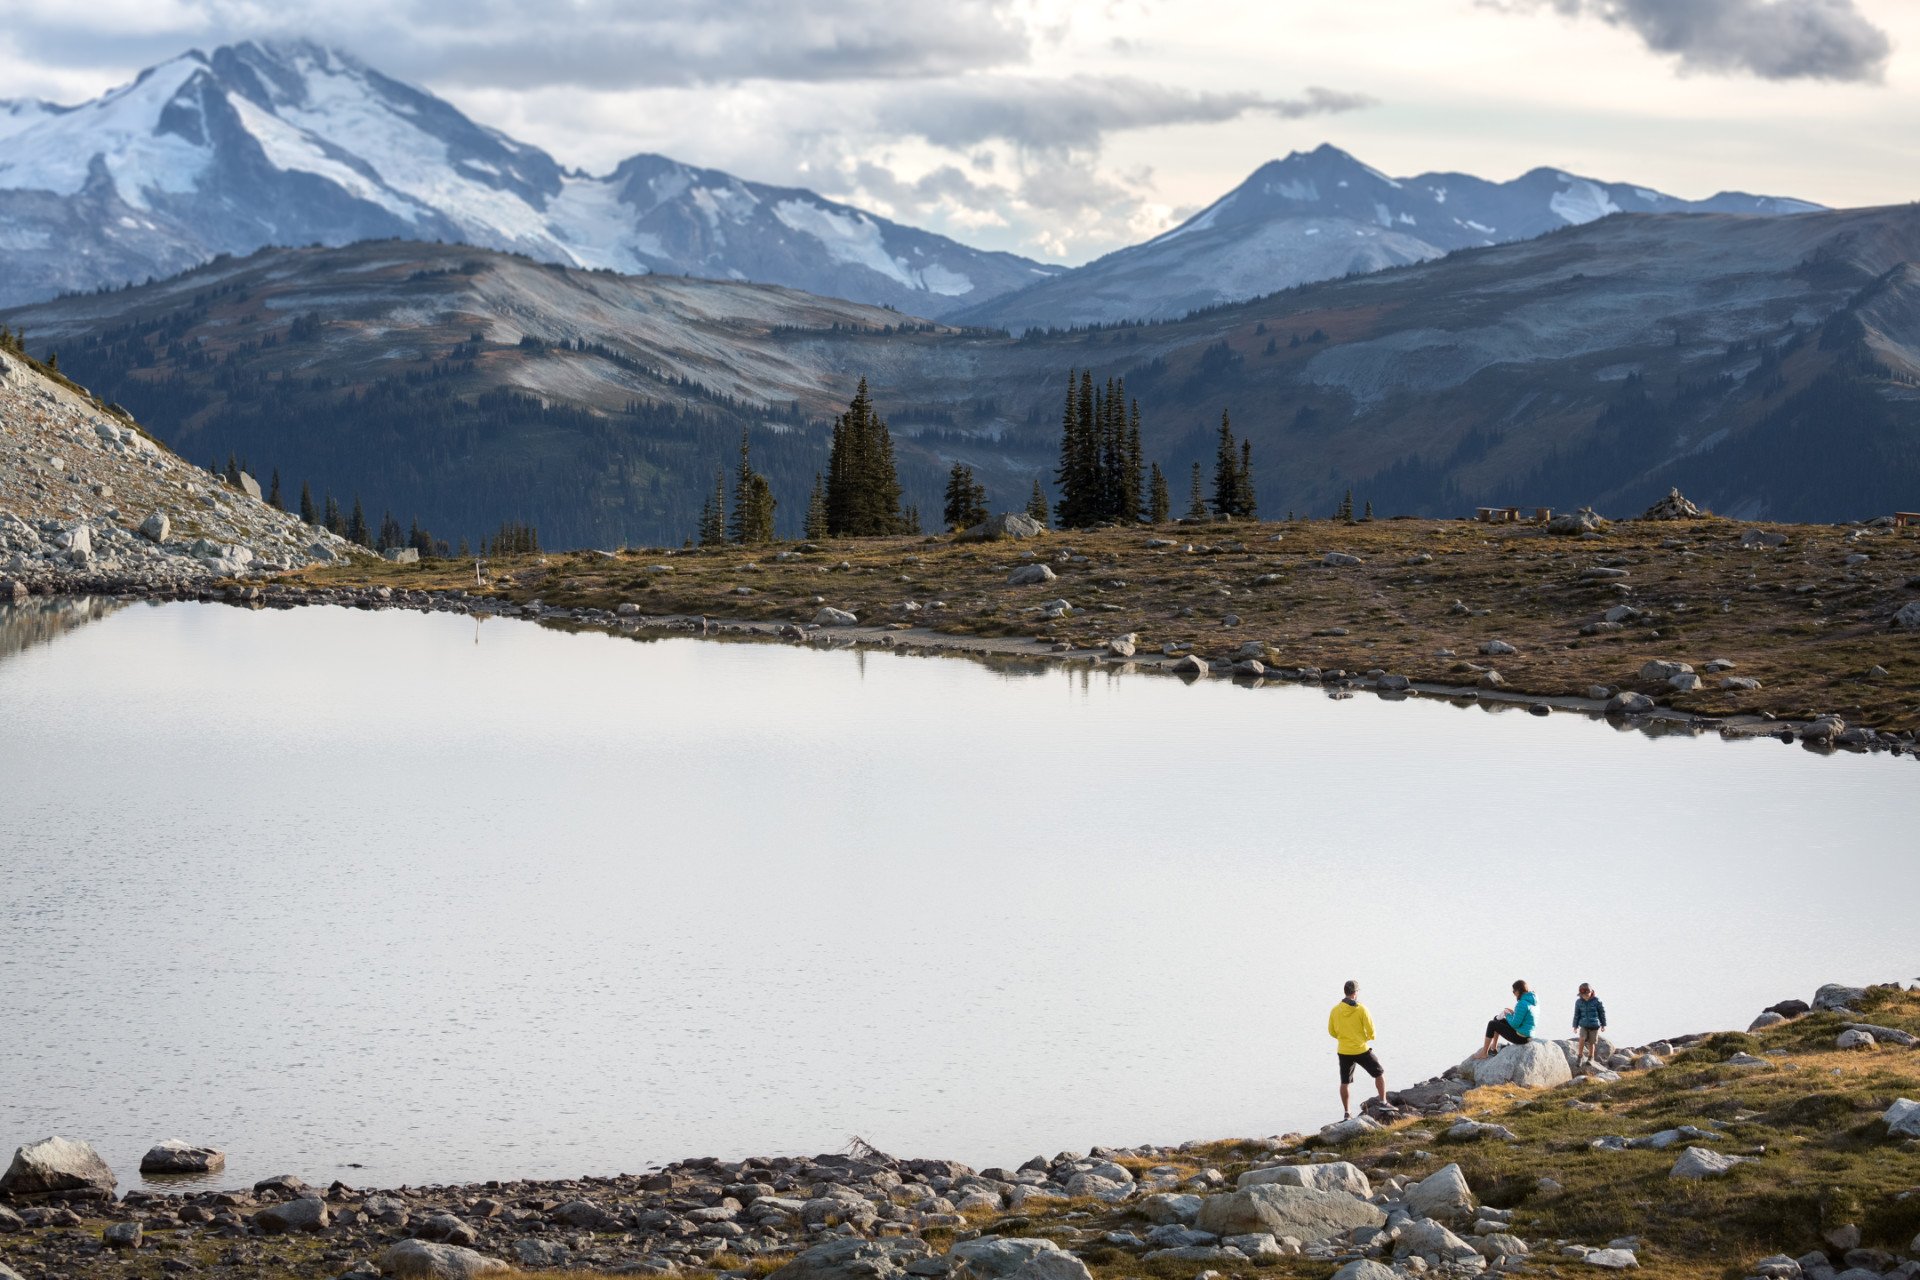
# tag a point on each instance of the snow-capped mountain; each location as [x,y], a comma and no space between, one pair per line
[291,143]
[1320,215]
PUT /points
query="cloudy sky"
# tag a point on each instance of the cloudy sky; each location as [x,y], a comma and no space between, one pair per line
[1066,128]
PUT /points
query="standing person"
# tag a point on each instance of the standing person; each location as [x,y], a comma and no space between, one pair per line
[1351,1026]
[1589,1020]
[1515,1024]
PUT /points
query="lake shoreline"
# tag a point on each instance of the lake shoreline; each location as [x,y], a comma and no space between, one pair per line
[1088,1211]
[1813,732]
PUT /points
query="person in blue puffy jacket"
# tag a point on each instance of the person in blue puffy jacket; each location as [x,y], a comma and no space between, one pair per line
[1514,1025]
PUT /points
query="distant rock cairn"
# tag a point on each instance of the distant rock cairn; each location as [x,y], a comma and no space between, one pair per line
[1672,507]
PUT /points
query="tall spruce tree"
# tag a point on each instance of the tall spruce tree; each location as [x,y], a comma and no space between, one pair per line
[1037,504]
[1196,497]
[713,513]
[1226,473]
[273,491]
[816,523]
[307,513]
[863,483]
[1159,501]
[1249,501]
[966,499]
[357,530]
[1133,479]
[752,522]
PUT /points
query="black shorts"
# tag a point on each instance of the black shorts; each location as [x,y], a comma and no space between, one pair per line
[1365,1061]
[1504,1030]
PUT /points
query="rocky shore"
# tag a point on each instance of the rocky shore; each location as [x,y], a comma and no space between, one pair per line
[1457,1177]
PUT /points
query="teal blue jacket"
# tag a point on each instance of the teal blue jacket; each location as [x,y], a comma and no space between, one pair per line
[1521,1019]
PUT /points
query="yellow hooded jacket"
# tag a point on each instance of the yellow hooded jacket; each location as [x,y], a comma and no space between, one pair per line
[1351,1025]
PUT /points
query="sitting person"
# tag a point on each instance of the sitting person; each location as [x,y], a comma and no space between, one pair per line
[1515,1024]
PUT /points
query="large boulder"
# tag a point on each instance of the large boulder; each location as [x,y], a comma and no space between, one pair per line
[1908,618]
[1015,1258]
[1009,525]
[176,1156]
[249,486]
[1573,523]
[1834,996]
[851,1258]
[1028,575]
[1366,1269]
[1442,1195]
[1704,1162]
[304,1213]
[1430,1239]
[1903,1118]
[1166,1207]
[1301,1212]
[156,527]
[429,1261]
[831,617]
[1335,1175]
[1538,1064]
[55,1165]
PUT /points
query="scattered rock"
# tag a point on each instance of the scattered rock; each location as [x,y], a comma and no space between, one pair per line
[176,1156]
[429,1261]
[1628,703]
[122,1235]
[1903,1118]
[156,527]
[1762,540]
[304,1213]
[997,1258]
[1704,1162]
[1908,618]
[1442,1195]
[830,617]
[402,555]
[1833,996]
[1301,1212]
[1013,525]
[1030,575]
[1538,1064]
[1337,1175]
[1340,560]
[54,1165]
[1612,1259]
[1853,1039]
[1497,648]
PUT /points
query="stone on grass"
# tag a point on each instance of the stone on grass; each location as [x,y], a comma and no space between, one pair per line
[1336,1175]
[429,1261]
[1300,1212]
[1340,560]
[1903,1118]
[830,617]
[1612,1259]
[1834,996]
[177,1156]
[54,1165]
[1013,1258]
[1702,1162]
[1908,619]
[1538,1064]
[1347,1130]
[156,527]
[1442,1195]
[1165,1207]
[1030,575]
[122,1235]
[1009,525]
[1853,1039]
[307,1213]
[1662,671]
[1366,1269]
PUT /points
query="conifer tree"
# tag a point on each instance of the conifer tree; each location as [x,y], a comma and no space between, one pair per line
[1226,473]
[966,499]
[306,503]
[1132,479]
[1196,497]
[1249,502]
[332,520]
[1037,505]
[816,525]
[713,515]
[752,522]
[910,521]
[357,530]
[1369,514]
[1346,508]
[1159,502]
[273,491]
[863,484]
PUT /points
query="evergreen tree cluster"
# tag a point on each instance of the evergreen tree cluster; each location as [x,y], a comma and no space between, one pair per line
[514,538]
[966,504]
[863,485]
[1100,476]
[753,503]
[1233,496]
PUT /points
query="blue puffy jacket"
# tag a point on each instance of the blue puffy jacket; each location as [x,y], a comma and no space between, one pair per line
[1521,1019]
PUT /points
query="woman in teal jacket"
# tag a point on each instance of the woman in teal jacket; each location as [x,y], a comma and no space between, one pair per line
[1515,1024]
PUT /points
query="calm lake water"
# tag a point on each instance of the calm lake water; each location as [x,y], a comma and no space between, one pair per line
[396,898]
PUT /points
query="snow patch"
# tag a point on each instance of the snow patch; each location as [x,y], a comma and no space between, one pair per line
[1582,202]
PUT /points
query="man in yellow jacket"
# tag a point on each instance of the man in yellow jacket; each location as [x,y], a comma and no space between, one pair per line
[1351,1026]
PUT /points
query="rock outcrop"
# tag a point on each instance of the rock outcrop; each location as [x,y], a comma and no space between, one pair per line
[56,1166]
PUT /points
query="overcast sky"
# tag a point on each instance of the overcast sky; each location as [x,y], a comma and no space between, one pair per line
[1065,128]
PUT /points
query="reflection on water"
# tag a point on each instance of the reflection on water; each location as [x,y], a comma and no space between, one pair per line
[331,888]
[44,619]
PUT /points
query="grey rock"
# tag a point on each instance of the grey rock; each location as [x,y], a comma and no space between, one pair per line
[1334,1175]
[830,617]
[430,1261]
[1188,666]
[1166,1208]
[1834,996]
[1762,540]
[1013,1258]
[1030,575]
[1908,618]
[249,486]
[306,1213]
[1538,1064]
[1348,1130]
[1852,1039]
[1430,1239]
[1442,1195]
[1301,1212]
[1661,671]
[1628,703]
[1013,525]
[543,1254]
[176,1156]
[1366,1269]
[1612,1259]
[122,1235]
[1340,560]
[1702,1162]
[53,1165]
[1903,1118]
[402,555]
[156,527]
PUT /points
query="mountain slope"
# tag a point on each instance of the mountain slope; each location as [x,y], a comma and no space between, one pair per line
[293,143]
[1763,364]
[1321,215]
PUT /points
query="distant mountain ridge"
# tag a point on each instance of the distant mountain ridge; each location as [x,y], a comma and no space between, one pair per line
[1321,215]
[265,143]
